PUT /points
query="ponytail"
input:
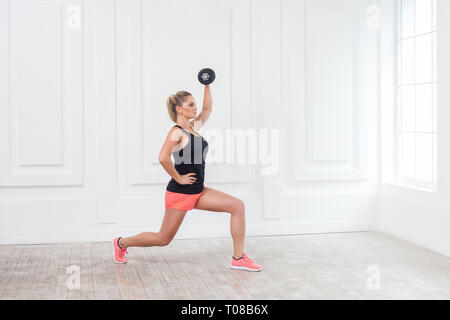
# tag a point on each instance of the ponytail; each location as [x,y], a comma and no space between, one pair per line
[175,100]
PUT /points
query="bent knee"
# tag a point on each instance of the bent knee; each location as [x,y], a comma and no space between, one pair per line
[238,207]
[164,240]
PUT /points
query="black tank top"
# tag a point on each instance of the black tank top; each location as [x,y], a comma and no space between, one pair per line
[190,159]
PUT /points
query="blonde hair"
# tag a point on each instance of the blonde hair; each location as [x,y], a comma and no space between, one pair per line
[174,100]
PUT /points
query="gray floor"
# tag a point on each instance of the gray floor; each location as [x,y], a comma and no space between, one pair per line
[363,265]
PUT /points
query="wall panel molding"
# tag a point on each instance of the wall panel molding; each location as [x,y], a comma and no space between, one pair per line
[143,80]
[41,93]
[268,93]
[330,139]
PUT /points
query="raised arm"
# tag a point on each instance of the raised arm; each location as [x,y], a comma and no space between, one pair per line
[206,109]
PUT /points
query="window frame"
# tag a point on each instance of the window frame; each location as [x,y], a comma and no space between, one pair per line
[398,129]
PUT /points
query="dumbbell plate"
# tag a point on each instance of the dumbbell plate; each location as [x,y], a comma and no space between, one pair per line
[206,76]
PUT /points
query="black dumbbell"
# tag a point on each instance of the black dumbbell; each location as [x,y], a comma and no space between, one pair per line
[206,76]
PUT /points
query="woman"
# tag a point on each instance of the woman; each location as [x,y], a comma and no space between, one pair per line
[186,190]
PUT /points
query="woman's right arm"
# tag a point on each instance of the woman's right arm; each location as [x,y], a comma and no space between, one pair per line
[173,138]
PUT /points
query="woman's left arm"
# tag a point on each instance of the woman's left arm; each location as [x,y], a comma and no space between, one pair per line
[206,109]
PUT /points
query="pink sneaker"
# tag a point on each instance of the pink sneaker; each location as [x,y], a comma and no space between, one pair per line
[245,263]
[119,255]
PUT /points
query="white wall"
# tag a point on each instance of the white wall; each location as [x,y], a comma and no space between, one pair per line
[416,215]
[83,116]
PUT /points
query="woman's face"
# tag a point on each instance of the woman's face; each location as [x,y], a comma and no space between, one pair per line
[189,108]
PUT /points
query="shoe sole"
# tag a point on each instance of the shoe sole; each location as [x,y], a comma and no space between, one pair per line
[114,254]
[245,268]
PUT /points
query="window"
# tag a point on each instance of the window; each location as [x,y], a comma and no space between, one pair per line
[416,125]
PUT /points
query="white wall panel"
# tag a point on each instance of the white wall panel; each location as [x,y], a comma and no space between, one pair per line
[267,95]
[107,191]
[330,86]
[329,115]
[41,98]
[36,83]
[161,47]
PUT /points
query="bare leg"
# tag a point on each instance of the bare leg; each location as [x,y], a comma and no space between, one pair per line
[214,200]
[169,227]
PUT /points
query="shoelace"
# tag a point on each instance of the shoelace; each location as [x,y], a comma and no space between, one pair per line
[248,259]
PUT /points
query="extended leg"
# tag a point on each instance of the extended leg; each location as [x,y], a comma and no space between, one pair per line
[169,227]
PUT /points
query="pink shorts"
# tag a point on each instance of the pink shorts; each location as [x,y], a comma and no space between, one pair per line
[181,201]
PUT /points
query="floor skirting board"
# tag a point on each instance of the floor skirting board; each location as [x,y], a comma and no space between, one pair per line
[186,232]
